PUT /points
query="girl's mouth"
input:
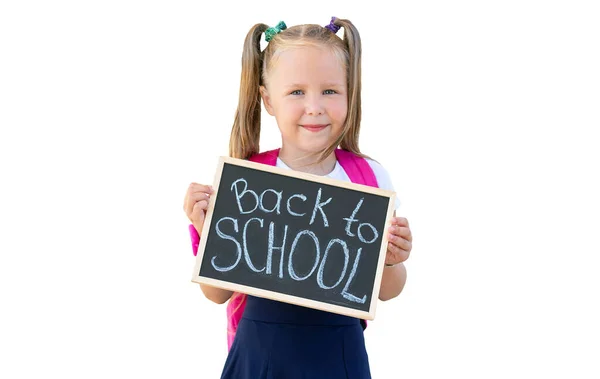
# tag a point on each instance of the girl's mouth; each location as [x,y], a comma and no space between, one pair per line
[315,127]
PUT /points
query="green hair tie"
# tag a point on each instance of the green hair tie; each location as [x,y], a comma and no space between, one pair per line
[272,31]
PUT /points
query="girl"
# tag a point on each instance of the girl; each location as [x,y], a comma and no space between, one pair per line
[308,78]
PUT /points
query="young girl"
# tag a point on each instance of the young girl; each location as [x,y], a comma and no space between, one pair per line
[309,79]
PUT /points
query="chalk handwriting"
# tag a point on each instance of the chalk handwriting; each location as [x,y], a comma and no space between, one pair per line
[322,266]
[329,268]
[291,270]
[351,219]
[319,206]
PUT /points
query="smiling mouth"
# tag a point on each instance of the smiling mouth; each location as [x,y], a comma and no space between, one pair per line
[315,128]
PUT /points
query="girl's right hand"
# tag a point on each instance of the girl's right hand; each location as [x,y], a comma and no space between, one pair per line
[195,204]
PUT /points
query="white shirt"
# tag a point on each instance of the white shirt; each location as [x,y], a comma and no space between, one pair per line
[383,178]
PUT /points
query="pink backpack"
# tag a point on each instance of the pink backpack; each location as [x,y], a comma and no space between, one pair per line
[359,171]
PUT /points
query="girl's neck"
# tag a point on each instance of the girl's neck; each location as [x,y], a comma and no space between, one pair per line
[307,162]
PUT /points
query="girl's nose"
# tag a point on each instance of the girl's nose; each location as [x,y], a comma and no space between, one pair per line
[314,106]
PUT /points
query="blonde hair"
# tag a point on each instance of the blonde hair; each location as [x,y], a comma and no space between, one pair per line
[245,133]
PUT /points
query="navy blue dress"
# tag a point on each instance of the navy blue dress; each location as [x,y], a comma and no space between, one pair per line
[276,340]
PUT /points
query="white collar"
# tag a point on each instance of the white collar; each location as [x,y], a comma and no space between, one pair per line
[332,174]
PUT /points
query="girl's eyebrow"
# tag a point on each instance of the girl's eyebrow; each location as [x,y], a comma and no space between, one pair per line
[326,84]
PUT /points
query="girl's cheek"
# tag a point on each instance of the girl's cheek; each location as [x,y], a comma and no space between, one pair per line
[340,110]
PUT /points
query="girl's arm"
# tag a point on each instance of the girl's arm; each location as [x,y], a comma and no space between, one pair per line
[392,281]
[215,294]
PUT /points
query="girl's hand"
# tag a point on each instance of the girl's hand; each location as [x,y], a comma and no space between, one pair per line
[400,241]
[195,204]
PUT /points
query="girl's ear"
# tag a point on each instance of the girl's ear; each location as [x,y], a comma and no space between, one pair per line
[266,100]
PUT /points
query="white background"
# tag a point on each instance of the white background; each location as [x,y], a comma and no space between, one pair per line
[485,114]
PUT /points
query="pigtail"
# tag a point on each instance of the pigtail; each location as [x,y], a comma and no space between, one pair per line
[245,133]
[352,41]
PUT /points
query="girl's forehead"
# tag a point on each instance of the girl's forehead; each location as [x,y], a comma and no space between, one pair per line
[306,62]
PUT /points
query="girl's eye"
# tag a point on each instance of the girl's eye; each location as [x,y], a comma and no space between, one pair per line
[296,92]
[329,92]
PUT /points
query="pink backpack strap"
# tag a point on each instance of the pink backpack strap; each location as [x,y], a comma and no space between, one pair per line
[235,309]
[268,157]
[195,237]
[358,169]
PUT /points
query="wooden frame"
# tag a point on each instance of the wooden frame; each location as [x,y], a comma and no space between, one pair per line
[196,278]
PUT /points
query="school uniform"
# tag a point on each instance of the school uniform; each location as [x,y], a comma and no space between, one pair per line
[276,340]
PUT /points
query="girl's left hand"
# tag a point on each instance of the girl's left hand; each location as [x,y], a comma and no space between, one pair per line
[400,241]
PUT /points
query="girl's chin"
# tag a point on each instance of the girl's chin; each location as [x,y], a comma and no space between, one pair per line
[313,148]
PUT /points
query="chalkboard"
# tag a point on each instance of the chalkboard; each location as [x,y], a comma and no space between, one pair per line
[295,237]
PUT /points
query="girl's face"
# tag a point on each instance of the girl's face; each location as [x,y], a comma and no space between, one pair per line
[307,93]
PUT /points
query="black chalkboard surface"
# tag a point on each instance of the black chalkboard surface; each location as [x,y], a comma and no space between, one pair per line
[295,237]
